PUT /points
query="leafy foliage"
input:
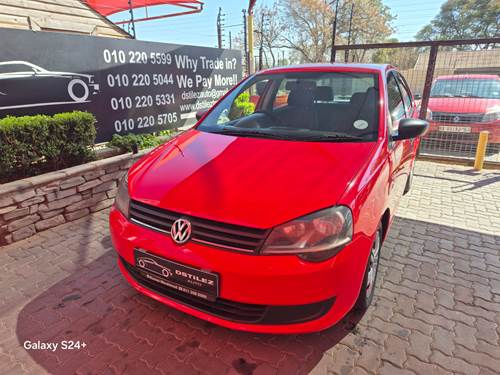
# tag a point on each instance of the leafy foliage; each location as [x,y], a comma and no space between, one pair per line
[242,106]
[464,19]
[126,143]
[303,28]
[307,26]
[30,145]
[403,58]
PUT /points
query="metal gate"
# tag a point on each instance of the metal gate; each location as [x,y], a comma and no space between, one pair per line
[456,84]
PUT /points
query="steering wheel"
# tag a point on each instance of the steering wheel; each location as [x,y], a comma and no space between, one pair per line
[271,115]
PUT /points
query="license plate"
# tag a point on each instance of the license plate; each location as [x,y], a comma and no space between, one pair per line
[198,283]
[455,129]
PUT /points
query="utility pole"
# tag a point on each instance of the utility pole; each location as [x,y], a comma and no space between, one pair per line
[219,28]
[261,48]
[230,41]
[349,34]
[132,22]
[334,32]
[282,57]
[245,36]
[251,63]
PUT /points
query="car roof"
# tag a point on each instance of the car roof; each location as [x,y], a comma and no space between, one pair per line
[16,62]
[471,76]
[328,67]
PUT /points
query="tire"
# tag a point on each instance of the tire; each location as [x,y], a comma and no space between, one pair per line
[409,181]
[368,287]
[73,85]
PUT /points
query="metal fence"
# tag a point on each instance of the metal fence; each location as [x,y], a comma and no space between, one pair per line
[456,84]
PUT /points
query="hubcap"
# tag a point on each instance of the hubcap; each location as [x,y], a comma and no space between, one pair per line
[373,263]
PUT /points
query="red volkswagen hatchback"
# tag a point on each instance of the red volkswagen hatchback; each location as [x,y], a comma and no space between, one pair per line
[269,214]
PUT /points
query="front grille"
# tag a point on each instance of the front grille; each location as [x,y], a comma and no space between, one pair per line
[213,233]
[236,311]
[457,118]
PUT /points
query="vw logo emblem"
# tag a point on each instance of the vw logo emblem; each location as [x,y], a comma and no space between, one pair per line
[181,231]
[456,119]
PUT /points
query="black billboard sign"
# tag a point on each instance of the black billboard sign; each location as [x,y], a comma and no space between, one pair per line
[130,86]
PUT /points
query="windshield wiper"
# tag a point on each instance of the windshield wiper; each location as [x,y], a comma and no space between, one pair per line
[297,136]
[442,96]
[330,137]
[252,133]
[466,96]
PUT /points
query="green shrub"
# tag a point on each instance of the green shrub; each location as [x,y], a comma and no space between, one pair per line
[166,132]
[242,106]
[126,142]
[30,145]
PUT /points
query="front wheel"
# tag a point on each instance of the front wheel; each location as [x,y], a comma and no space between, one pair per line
[368,288]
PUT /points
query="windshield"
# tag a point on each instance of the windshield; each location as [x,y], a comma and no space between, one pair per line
[466,88]
[337,107]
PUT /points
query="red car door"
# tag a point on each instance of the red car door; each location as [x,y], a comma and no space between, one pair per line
[411,112]
[399,151]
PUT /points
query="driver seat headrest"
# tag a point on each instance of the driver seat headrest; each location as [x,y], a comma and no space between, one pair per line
[301,98]
[323,94]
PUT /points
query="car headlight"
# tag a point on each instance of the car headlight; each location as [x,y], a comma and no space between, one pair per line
[314,237]
[122,198]
[491,116]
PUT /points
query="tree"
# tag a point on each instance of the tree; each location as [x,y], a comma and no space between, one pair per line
[464,19]
[269,28]
[307,25]
[307,28]
[403,58]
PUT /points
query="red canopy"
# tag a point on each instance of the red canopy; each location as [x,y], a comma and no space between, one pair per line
[108,7]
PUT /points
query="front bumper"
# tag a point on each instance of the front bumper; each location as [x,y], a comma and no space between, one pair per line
[297,296]
[94,87]
[466,133]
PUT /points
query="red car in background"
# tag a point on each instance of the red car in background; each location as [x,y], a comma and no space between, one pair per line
[461,106]
[270,214]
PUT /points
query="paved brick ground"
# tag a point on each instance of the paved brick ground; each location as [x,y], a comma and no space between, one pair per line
[437,307]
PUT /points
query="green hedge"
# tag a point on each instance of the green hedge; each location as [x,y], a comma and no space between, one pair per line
[126,143]
[30,145]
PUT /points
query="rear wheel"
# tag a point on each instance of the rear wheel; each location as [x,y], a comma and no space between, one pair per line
[368,288]
[78,91]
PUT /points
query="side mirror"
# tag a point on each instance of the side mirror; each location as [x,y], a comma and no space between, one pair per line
[200,114]
[410,128]
[417,96]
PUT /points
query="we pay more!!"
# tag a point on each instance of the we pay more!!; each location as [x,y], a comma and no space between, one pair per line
[199,81]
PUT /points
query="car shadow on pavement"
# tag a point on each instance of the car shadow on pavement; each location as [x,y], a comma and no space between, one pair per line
[487,178]
[126,332]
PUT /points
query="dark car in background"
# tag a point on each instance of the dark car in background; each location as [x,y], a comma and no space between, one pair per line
[24,85]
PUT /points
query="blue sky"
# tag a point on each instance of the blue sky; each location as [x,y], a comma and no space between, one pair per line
[200,29]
